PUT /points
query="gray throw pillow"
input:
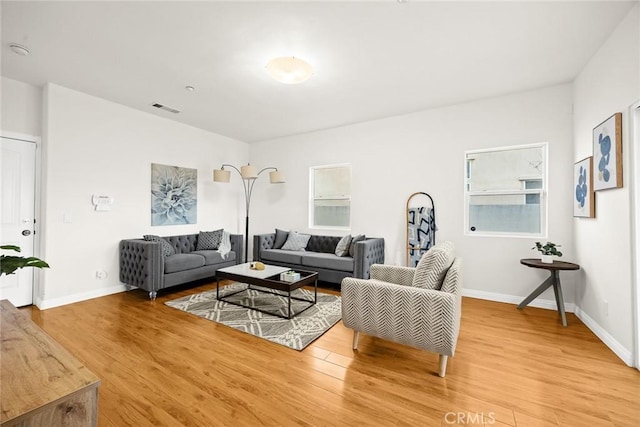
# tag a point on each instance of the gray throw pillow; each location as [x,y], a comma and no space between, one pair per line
[352,246]
[167,249]
[209,240]
[342,248]
[296,242]
[281,238]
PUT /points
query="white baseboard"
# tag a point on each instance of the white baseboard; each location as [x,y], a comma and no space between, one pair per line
[44,304]
[623,353]
[569,307]
[618,349]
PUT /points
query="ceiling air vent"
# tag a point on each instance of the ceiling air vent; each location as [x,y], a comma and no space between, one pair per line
[165,108]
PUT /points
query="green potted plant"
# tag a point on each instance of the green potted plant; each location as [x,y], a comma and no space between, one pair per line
[9,263]
[547,251]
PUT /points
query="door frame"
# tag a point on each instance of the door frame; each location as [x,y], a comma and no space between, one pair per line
[634,145]
[37,226]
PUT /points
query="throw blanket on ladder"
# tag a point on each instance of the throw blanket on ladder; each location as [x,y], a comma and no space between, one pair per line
[422,232]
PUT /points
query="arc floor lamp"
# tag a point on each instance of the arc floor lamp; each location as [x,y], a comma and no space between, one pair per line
[249,175]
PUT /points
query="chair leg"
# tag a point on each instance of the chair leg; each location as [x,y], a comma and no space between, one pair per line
[356,335]
[443,365]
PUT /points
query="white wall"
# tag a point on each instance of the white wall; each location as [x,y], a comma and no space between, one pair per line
[21,111]
[395,157]
[92,146]
[609,83]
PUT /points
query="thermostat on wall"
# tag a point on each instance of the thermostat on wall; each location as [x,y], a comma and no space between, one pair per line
[102,203]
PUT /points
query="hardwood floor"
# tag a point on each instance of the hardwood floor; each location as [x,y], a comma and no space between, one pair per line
[163,367]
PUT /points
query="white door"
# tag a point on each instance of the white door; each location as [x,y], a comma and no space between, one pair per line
[17,213]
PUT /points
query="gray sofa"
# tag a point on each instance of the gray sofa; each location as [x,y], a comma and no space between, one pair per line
[143,265]
[319,255]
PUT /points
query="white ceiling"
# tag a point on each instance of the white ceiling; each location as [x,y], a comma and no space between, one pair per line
[371,59]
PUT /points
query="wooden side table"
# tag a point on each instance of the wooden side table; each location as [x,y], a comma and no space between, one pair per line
[553,280]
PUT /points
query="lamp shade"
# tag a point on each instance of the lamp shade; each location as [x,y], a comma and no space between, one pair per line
[276,177]
[248,172]
[221,175]
[289,69]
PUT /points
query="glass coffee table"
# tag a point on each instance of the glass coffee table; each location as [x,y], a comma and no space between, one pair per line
[268,278]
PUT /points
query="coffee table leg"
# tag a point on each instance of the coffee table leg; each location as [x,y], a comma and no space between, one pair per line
[315,291]
[289,313]
[217,288]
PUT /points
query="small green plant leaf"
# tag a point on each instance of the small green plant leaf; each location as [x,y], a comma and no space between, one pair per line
[9,264]
[548,248]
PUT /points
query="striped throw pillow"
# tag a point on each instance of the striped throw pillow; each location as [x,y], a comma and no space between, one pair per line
[433,266]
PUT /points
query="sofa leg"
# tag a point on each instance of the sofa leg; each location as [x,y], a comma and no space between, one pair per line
[443,365]
[153,295]
[356,335]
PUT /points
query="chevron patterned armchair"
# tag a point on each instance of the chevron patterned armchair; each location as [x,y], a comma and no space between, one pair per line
[419,307]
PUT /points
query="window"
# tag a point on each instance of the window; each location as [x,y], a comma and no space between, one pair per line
[505,191]
[531,184]
[330,196]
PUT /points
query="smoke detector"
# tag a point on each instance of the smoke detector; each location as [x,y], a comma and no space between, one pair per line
[18,49]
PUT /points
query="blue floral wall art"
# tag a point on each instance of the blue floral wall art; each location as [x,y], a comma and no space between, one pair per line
[607,154]
[583,203]
[174,195]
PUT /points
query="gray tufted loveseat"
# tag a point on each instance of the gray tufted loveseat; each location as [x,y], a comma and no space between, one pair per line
[319,255]
[143,265]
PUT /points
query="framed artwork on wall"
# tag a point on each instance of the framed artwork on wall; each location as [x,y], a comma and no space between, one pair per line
[607,153]
[583,194]
[174,195]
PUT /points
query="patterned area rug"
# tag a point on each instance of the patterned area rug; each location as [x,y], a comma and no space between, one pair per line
[296,333]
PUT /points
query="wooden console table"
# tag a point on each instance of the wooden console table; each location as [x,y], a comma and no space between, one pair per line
[553,280]
[42,383]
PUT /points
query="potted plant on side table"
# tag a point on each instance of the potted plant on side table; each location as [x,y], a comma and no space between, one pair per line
[547,251]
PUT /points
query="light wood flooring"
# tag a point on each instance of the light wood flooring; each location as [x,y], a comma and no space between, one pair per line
[162,367]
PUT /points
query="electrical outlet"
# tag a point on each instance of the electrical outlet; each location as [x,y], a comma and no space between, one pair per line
[101,274]
[606,308]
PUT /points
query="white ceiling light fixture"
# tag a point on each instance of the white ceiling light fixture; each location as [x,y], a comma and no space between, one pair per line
[289,69]
[19,49]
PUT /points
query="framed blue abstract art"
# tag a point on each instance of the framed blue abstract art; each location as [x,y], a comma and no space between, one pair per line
[607,154]
[174,195]
[583,203]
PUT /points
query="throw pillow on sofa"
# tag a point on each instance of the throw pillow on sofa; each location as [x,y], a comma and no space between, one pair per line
[352,246]
[209,240]
[281,238]
[167,249]
[296,242]
[342,248]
